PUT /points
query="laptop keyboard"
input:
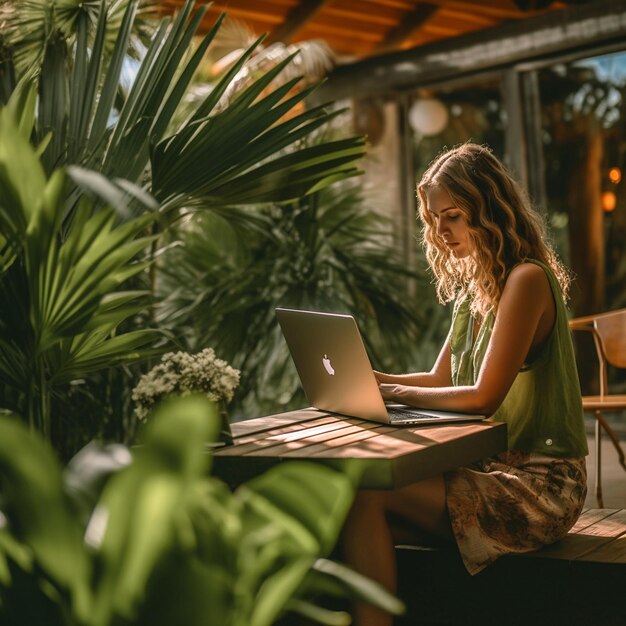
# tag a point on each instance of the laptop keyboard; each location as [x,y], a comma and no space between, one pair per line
[397,414]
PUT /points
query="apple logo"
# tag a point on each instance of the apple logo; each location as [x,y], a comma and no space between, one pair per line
[328,366]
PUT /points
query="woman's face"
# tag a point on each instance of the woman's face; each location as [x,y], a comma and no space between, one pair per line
[449,222]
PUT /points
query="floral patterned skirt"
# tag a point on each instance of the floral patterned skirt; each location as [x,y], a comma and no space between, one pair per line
[514,502]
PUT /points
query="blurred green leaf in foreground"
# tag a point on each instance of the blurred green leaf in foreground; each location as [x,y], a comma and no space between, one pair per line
[165,543]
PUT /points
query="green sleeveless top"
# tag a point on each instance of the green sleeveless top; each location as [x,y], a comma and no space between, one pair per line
[543,408]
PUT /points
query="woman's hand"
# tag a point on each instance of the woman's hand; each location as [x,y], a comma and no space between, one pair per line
[439,376]
[392,392]
[380,377]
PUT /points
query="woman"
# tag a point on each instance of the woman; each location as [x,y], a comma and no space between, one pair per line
[509,355]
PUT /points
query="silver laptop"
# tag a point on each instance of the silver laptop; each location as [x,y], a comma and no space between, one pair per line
[336,374]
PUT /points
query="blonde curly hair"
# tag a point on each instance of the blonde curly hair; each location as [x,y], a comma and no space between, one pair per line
[504,229]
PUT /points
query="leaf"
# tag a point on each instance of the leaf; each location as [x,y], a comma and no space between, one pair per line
[114,193]
[184,590]
[169,106]
[309,499]
[83,80]
[137,192]
[360,587]
[68,281]
[133,527]
[22,178]
[276,591]
[13,550]
[318,614]
[96,351]
[52,104]
[22,104]
[111,81]
[38,512]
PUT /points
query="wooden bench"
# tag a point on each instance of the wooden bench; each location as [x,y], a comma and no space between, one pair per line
[578,581]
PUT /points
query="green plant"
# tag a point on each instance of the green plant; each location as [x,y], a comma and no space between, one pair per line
[325,252]
[30,26]
[219,155]
[60,279]
[181,374]
[165,543]
[136,148]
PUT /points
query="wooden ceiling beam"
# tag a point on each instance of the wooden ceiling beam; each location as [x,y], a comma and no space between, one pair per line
[295,20]
[243,12]
[501,10]
[321,31]
[403,5]
[365,27]
[407,25]
[360,16]
[480,19]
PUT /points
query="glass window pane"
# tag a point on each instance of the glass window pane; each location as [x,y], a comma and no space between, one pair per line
[583,129]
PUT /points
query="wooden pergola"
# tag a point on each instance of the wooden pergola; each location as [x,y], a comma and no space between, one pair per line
[356,29]
[388,49]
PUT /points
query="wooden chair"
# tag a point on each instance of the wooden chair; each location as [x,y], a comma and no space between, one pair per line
[609,336]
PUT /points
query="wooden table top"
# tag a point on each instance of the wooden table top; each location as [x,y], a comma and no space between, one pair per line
[384,456]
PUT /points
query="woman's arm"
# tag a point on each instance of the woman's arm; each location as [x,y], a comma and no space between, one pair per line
[525,317]
[439,376]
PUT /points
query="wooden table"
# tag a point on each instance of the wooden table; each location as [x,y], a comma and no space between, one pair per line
[385,456]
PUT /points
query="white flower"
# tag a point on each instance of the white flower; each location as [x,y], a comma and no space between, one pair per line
[181,373]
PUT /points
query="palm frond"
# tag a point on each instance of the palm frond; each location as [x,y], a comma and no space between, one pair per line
[29,25]
[89,122]
[65,279]
[22,179]
[325,252]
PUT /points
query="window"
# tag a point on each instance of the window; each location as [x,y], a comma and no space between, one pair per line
[583,125]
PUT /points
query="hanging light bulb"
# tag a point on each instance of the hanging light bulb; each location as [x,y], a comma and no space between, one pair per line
[428,116]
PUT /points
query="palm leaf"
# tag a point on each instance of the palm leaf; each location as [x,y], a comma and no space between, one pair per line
[22,176]
[167,110]
[120,194]
[83,82]
[325,252]
[65,279]
[99,350]
[290,176]
[31,24]
[185,167]
[52,102]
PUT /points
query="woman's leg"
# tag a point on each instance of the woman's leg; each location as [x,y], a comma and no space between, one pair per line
[368,538]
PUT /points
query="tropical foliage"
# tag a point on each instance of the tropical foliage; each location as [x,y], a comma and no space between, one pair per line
[93,169]
[227,155]
[324,252]
[243,149]
[60,279]
[164,543]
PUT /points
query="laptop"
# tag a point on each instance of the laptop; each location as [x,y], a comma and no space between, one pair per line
[336,374]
